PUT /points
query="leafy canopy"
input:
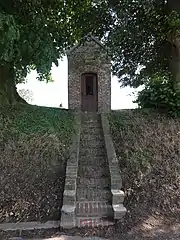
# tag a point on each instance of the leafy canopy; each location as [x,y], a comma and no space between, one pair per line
[139,39]
[35,33]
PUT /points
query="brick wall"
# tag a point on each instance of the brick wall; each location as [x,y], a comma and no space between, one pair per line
[86,58]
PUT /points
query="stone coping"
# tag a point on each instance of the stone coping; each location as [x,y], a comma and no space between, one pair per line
[116,181]
[61,237]
[29,225]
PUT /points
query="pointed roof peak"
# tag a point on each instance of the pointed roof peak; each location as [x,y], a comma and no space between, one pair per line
[86,38]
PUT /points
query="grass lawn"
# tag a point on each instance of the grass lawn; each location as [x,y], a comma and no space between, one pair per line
[34,144]
[148,149]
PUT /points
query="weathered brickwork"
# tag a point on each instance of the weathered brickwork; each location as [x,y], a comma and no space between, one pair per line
[96,208]
[92,222]
[69,195]
[93,194]
[89,57]
[116,181]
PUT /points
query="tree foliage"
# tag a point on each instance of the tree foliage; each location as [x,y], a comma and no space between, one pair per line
[140,37]
[145,46]
[32,35]
[159,93]
[139,33]
[35,34]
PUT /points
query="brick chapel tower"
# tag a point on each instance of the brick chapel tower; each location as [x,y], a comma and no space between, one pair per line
[89,76]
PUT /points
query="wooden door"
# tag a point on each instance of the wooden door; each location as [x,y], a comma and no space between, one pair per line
[89,93]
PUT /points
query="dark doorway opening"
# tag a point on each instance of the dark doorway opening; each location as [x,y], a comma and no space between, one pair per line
[89,92]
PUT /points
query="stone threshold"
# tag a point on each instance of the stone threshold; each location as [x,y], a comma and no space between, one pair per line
[29,225]
[61,237]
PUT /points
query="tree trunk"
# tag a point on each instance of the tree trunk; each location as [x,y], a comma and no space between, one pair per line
[174,5]
[174,62]
[8,92]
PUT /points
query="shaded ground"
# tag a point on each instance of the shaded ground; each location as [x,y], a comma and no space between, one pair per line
[148,149]
[112,233]
[34,144]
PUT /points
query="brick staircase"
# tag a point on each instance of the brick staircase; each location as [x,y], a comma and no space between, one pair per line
[92,194]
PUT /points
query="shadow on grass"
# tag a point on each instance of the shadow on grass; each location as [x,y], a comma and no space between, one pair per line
[34,144]
[148,148]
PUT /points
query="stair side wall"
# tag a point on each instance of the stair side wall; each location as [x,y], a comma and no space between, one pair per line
[69,196]
[116,181]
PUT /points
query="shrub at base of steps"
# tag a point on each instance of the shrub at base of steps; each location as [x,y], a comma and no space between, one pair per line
[147,145]
[34,143]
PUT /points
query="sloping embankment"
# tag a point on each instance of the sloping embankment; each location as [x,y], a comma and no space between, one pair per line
[34,144]
[148,148]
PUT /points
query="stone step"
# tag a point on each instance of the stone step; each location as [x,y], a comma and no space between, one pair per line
[92,131]
[93,171]
[92,145]
[90,117]
[94,209]
[91,121]
[69,197]
[98,160]
[68,210]
[100,183]
[93,222]
[93,168]
[92,152]
[86,134]
[91,137]
[92,194]
[97,174]
[119,211]
[91,164]
[91,126]
[92,140]
[90,158]
[68,216]
[118,197]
